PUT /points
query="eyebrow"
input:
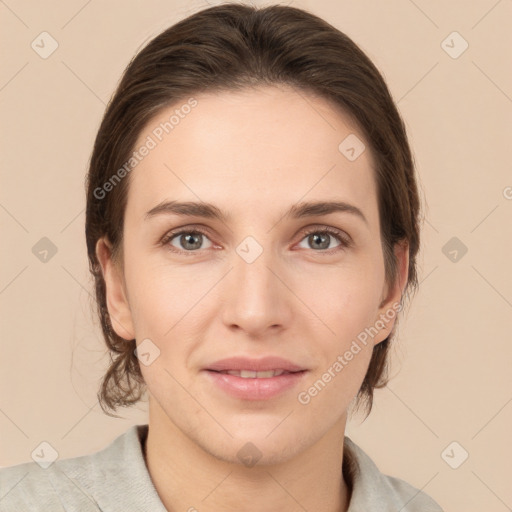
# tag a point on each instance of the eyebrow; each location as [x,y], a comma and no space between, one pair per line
[210,211]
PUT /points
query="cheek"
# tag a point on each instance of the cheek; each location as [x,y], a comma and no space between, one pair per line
[159,297]
[341,300]
[342,348]
[342,379]
[344,300]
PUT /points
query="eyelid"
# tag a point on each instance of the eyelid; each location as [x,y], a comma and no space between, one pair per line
[321,228]
[344,238]
[173,233]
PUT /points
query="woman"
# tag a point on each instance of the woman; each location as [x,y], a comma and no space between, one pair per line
[252,229]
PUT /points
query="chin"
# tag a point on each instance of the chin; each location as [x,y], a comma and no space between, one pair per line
[250,454]
[260,445]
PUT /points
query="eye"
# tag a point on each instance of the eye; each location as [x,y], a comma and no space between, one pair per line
[321,238]
[187,240]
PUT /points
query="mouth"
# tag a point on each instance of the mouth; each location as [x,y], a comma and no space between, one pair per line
[251,374]
[251,385]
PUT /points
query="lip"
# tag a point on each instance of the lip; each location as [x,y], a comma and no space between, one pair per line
[255,388]
[257,365]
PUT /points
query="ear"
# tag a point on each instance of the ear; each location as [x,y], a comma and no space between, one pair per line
[391,299]
[117,303]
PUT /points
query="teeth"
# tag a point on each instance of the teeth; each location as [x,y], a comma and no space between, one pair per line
[249,374]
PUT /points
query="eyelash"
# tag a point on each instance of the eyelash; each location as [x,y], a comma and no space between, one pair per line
[345,241]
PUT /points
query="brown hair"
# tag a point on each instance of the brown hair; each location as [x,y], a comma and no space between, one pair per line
[230,47]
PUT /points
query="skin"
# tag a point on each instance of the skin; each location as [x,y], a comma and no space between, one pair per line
[252,153]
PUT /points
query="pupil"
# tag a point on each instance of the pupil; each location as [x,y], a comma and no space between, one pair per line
[318,237]
[195,245]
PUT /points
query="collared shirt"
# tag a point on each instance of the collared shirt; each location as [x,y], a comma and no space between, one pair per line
[116,479]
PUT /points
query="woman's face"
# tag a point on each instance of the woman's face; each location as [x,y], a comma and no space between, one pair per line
[259,281]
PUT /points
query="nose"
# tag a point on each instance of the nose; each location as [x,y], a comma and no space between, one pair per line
[255,296]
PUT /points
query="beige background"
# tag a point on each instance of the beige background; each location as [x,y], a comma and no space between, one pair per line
[452,360]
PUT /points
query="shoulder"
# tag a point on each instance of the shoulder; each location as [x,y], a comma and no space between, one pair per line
[89,483]
[20,484]
[29,486]
[372,490]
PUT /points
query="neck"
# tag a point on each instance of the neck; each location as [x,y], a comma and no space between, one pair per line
[189,478]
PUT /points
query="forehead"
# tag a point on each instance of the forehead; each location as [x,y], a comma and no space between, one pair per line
[252,149]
